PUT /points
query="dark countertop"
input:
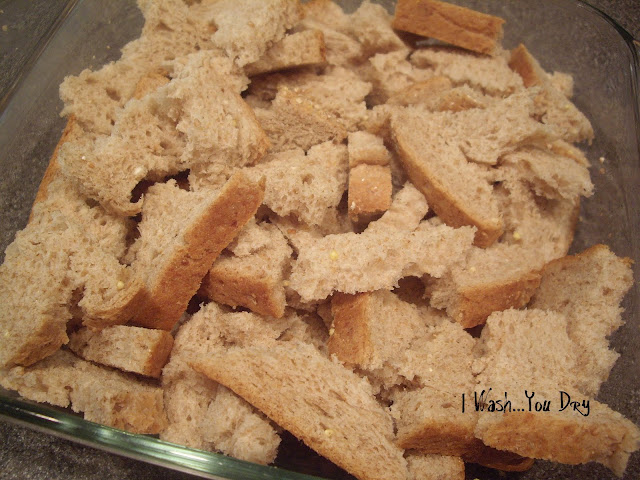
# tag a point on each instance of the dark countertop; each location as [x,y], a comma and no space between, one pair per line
[28,454]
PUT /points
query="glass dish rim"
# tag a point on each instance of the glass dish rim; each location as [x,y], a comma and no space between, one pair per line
[69,426]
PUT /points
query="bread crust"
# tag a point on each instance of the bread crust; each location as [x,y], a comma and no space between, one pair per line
[459,26]
[230,287]
[352,342]
[475,304]
[167,296]
[446,205]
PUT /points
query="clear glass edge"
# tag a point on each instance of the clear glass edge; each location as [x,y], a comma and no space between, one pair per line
[634,47]
[136,446]
[176,457]
[35,55]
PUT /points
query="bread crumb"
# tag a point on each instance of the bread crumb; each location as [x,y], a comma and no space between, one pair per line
[472,269]
[120,285]
[286,283]
[333,255]
[517,235]
[138,171]
[332,331]
[5,28]
[328,432]
[601,159]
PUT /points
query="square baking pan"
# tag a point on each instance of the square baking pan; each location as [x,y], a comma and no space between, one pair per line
[564,35]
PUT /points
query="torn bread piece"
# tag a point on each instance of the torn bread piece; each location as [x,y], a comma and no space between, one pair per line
[366,148]
[255,279]
[308,187]
[299,49]
[203,414]
[390,73]
[553,105]
[434,467]
[130,349]
[64,264]
[245,30]
[295,121]
[530,350]
[489,75]
[369,192]
[370,24]
[444,153]
[588,288]
[181,234]
[163,134]
[396,245]
[286,381]
[104,396]
[450,23]
[169,31]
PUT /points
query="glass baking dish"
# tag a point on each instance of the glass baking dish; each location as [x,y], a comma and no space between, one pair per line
[567,36]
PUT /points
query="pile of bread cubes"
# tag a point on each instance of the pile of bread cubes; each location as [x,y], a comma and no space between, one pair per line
[272,216]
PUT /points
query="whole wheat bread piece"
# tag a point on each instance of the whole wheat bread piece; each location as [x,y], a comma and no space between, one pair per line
[531,351]
[460,26]
[163,133]
[130,349]
[104,396]
[64,264]
[443,153]
[370,24]
[245,30]
[253,279]
[554,107]
[394,246]
[181,234]
[588,288]
[203,414]
[287,382]
[308,187]
[299,49]
[434,467]
[489,75]
[369,193]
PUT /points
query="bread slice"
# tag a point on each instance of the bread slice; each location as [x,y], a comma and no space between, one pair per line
[299,49]
[104,396]
[369,192]
[531,351]
[450,23]
[490,75]
[254,280]
[372,260]
[308,187]
[456,189]
[181,234]
[554,107]
[288,383]
[130,349]
[587,288]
